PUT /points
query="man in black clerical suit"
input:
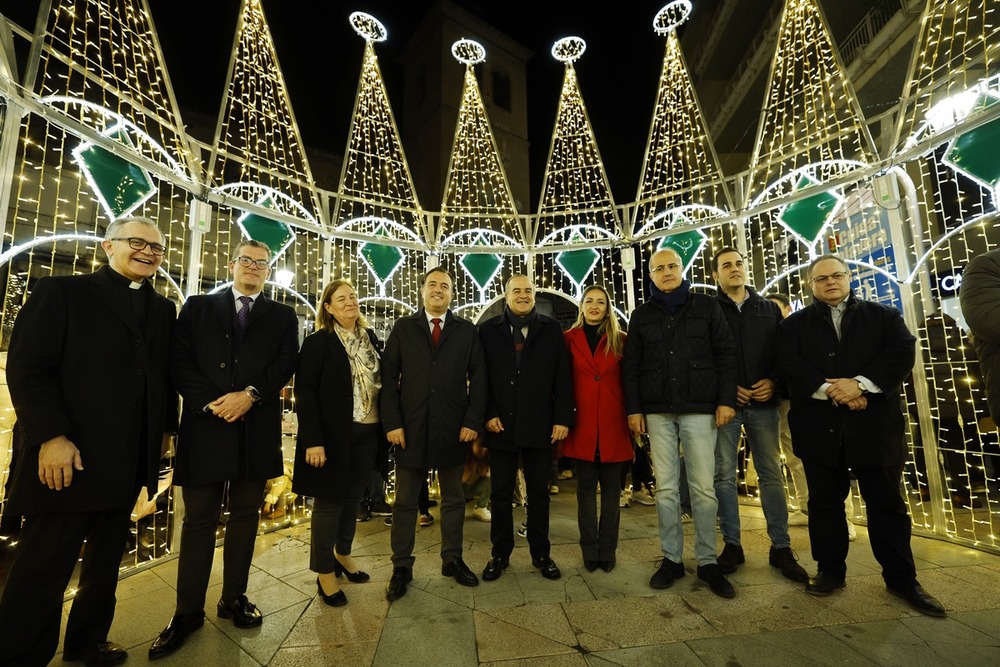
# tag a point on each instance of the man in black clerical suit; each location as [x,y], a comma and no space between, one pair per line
[231,355]
[87,371]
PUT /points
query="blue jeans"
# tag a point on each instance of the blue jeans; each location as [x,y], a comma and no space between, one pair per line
[761,426]
[697,433]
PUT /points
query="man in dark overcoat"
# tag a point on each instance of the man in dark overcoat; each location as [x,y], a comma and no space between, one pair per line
[433,401]
[980,295]
[530,408]
[231,355]
[844,360]
[87,370]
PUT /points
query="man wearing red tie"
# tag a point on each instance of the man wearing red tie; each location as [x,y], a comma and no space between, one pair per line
[433,403]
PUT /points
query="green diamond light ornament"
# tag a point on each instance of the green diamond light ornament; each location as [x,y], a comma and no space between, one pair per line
[578,264]
[807,219]
[687,245]
[274,234]
[120,186]
[976,153]
[382,260]
[481,267]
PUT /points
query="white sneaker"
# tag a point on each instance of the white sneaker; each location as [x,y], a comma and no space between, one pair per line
[852,532]
[523,530]
[643,497]
[797,518]
[686,517]
[623,500]
[553,490]
[482,514]
[566,474]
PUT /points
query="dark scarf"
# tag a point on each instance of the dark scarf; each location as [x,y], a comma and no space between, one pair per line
[671,301]
[517,323]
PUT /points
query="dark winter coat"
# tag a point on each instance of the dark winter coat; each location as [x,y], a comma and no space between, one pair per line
[204,366]
[531,398]
[680,363]
[875,344]
[324,403]
[433,393]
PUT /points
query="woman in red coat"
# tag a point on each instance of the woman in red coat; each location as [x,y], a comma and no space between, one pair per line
[600,442]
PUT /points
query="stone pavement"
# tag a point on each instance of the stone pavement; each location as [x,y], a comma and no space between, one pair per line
[596,619]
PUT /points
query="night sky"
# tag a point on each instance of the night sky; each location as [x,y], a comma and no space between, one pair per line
[320,56]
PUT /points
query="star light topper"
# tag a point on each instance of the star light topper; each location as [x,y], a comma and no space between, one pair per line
[368,27]
[671,16]
[468,51]
[568,49]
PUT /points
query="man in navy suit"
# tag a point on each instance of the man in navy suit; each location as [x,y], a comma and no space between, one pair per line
[87,370]
[232,354]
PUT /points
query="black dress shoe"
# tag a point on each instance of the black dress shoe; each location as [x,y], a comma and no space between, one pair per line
[591,565]
[358,577]
[494,568]
[547,566]
[461,572]
[105,653]
[823,584]
[666,574]
[174,635]
[243,613]
[338,599]
[920,600]
[397,583]
[608,565]
[712,575]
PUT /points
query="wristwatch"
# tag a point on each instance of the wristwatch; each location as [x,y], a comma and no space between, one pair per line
[861,386]
[252,392]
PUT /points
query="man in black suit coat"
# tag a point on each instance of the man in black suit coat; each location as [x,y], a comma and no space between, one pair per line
[231,355]
[433,401]
[87,370]
[844,360]
[529,409]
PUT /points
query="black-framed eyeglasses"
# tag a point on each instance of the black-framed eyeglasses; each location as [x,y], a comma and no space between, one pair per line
[137,243]
[248,262]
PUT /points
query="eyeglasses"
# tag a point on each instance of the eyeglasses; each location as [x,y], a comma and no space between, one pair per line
[248,262]
[137,243]
[838,276]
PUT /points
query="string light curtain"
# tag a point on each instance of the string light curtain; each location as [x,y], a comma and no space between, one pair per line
[478,205]
[576,204]
[680,168]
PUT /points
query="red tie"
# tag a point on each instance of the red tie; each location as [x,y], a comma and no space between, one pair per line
[436,331]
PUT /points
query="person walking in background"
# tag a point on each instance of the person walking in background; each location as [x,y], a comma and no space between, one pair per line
[600,443]
[336,394]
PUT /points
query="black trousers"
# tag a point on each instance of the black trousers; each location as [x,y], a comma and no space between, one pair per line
[334,522]
[47,551]
[202,510]
[598,535]
[888,521]
[503,469]
[411,484]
